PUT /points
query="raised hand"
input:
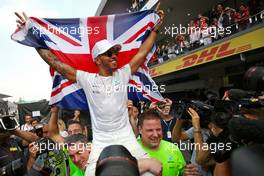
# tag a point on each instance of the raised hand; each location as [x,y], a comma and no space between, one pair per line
[161,15]
[195,118]
[153,105]
[168,102]
[33,149]
[191,170]
[54,109]
[129,104]
[21,21]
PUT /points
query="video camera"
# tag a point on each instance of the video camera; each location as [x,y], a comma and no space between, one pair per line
[247,99]
[203,110]
[8,123]
[240,101]
[237,129]
[16,167]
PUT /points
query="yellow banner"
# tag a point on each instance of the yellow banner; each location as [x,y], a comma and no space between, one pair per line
[245,42]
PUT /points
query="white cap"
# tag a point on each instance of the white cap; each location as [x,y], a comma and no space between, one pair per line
[101,47]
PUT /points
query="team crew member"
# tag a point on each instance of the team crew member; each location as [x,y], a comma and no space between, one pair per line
[169,154]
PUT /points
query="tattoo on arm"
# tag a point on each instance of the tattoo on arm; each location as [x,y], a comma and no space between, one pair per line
[64,69]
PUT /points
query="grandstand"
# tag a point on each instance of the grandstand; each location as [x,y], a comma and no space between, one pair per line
[214,67]
[7,107]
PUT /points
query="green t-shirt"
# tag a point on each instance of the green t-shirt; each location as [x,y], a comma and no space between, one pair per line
[74,170]
[169,155]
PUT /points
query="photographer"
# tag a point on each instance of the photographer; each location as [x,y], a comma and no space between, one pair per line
[167,120]
[42,131]
[248,125]
[133,113]
[218,146]
[12,153]
[199,128]
[48,155]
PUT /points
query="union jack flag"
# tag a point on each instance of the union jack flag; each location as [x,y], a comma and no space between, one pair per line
[72,40]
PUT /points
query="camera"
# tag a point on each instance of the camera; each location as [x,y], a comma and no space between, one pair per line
[203,110]
[116,160]
[8,123]
[247,99]
[44,145]
[16,167]
[229,106]
[38,130]
[253,78]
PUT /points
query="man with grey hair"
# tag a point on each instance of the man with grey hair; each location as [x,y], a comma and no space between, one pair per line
[79,149]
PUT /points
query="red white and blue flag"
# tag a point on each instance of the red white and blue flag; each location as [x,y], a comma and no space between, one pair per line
[72,40]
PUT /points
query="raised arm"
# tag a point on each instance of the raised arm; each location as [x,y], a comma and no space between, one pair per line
[139,58]
[202,153]
[53,126]
[177,133]
[26,135]
[64,69]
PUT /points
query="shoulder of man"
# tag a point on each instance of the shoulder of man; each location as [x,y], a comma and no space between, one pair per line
[83,76]
[84,73]
[123,72]
[124,67]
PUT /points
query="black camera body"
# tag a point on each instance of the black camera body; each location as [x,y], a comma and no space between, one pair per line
[203,110]
[247,99]
[38,130]
[13,168]
[12,156]
[8,123]
[116,160]
[43,142]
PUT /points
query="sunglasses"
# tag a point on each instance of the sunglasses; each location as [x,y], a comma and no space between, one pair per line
[110,52]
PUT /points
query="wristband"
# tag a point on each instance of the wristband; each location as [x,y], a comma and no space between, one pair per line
[156,30]
[197,131]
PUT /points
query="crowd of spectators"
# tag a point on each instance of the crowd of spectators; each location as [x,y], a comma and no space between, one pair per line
[50,147]
[136,5]
[193,135]
[200,118]
[220,22]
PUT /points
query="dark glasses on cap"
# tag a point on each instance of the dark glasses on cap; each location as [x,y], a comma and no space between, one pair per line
[112,51]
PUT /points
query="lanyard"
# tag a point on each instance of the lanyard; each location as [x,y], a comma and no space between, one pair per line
[168,126]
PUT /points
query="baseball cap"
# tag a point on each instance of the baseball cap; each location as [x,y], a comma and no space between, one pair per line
[101,47]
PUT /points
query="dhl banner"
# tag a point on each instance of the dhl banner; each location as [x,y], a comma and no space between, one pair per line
[245,42]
